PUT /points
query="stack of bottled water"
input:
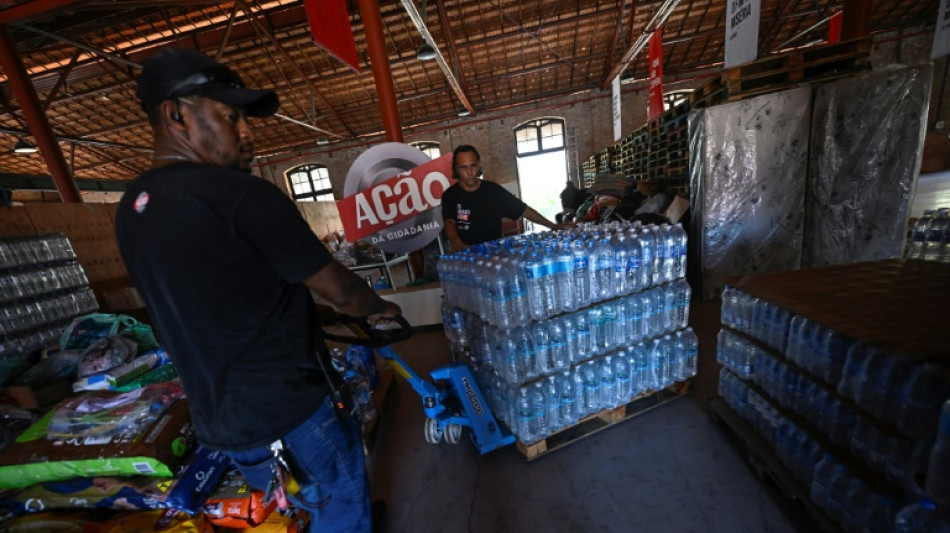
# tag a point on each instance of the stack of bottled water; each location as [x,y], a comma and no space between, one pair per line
[930,239]
[42,287]
[558,400]
[883,408]
[523,311]
[511,281]
[550,345]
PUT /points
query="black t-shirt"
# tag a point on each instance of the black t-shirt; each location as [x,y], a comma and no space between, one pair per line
[478,214]
[219,256]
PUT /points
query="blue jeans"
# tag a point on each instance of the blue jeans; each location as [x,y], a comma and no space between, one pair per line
[326,459]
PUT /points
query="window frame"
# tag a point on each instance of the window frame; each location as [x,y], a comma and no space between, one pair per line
[309,169]
[538,125]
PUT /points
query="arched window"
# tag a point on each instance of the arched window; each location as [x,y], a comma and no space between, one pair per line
[542,164]
[431,148]
[539,136]
[310,183]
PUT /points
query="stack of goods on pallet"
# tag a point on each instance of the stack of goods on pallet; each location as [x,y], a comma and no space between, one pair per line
[843,372]
[930,239]
[561,325]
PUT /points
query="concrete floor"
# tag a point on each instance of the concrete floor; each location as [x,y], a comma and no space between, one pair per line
[670,469]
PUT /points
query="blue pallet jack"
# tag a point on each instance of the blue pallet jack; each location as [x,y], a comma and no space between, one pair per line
[452,400]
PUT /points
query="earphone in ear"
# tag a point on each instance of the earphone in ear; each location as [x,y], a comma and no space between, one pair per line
[176,113]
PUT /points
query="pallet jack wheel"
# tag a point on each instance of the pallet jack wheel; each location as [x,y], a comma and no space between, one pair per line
[453,433]
[433,433]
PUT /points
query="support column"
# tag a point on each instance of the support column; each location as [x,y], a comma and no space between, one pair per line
[856,21]
[25,95]
[373,24]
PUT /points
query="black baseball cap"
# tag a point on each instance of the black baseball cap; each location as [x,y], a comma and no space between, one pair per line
[177,72]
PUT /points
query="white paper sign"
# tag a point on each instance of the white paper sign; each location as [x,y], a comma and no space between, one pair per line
[942,33]
[615,101]
[742,31]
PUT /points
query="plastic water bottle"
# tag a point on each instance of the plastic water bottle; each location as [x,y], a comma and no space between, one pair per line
[647,259]
[564,261]
[683,294]
[542,346]
[938,471]
[570,334]
[527,352]
[577,376]
[680,355]
[568,395]
[592,385]
[517,293]
[634,279]
[618,278]
[622,373]
[635,333]
[922,517]
[549,282]
[603,270]
[552,399]
[595,315]
[611,325]
[533,267]
[539,403]
[525,416]
[500,298]
[679,255]
[670,267]
[657,304]
[559,358]
[642,376]
[608,383]
[506,352]
[658,364]
[582,273]
[453,319]
[584,345]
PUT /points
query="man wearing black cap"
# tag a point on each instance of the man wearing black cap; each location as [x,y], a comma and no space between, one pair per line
[225,262]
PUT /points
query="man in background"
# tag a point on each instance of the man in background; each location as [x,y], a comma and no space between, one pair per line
[473,208]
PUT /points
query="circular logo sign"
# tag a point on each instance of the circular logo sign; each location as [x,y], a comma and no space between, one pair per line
[392,196]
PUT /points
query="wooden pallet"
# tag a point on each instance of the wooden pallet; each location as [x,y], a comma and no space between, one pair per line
[601,421]
[708,94]
[809,64]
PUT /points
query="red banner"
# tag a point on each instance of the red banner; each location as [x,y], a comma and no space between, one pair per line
[834,28]
[330,27]
[399,198]
[656,75]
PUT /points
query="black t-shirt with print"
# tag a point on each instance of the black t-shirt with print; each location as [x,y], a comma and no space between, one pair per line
[219,257]
[478,214]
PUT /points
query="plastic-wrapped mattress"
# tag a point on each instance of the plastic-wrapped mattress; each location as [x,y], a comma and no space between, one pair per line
[866,147]
[748,167]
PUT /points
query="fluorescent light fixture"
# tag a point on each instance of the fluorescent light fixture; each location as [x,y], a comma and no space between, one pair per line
[323,141]
[23,147]
[464,113]
[426,53]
